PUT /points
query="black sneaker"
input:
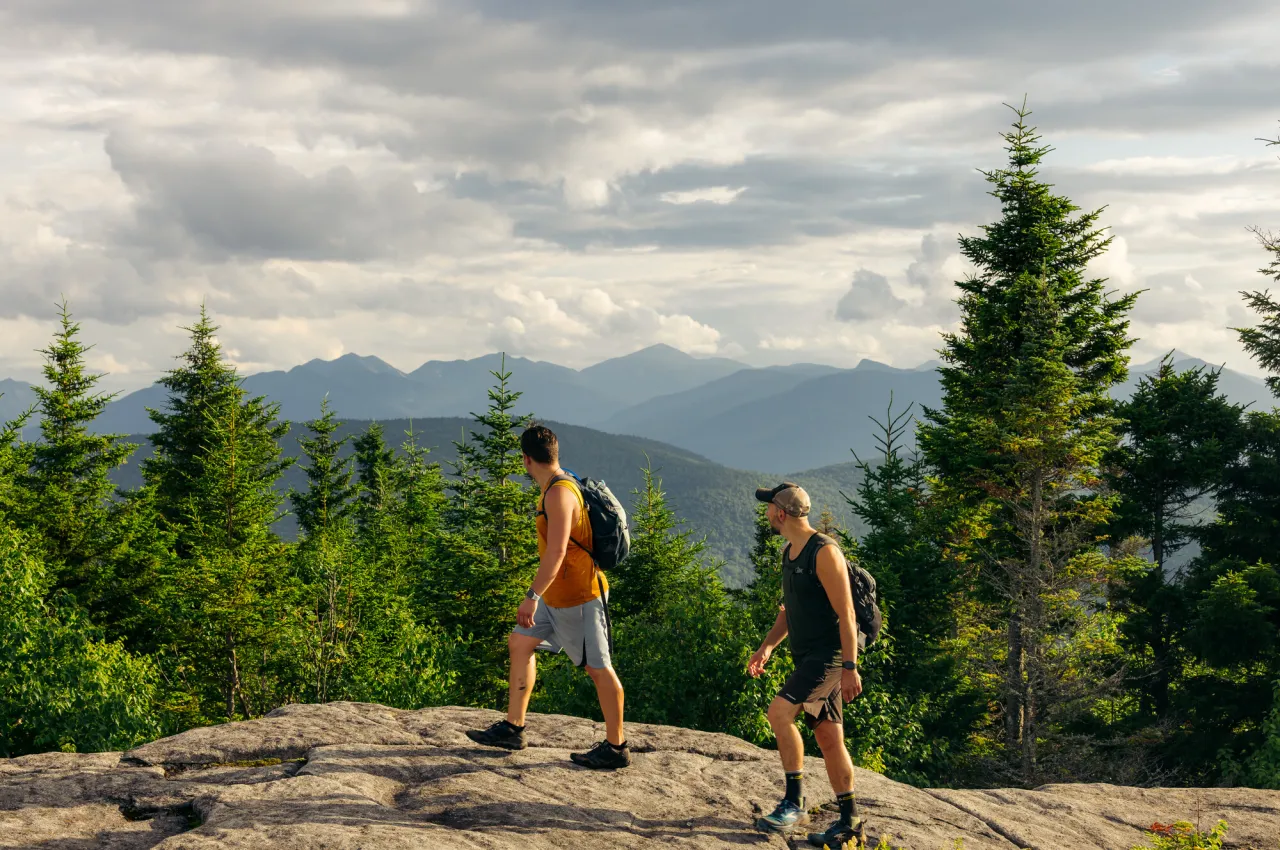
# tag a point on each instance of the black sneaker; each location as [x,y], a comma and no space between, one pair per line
[501,734]
[603,756]
[838,836]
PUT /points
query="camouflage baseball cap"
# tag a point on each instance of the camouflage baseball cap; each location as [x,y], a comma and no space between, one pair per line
[790,497]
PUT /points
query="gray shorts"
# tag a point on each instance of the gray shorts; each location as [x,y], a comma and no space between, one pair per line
[579,632]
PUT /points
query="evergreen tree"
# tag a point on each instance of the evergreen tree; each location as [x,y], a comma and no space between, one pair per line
[1180,436]
[220,601]
[1234,590]
[1263,341]
[1020,436]
[327,502]
[15,460]
[485,555]
[495,504]
[763,595]
[334,576]
[422,502]
[662,553]
[1260,767]
[375,464]
[68,483]
[200,391]
[914,667]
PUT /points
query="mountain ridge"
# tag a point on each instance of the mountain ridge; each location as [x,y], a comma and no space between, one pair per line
[776,417]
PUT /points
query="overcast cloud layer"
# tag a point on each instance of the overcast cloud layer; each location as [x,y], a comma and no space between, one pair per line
[575,179]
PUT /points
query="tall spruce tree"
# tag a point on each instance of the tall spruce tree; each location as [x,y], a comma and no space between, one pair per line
[334,576]
[1024,423]
[68,483]
[200,391]
[492,487]
[375,464]
[1234,623]
[214,471]
[1263,340]
[915,662]
[663,553]
[485,555]
[327,501]
[1180,435]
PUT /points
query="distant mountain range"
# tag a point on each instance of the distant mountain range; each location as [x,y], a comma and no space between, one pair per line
[802,416]
[715,501]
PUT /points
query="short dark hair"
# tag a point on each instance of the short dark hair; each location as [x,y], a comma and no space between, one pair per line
[540,444]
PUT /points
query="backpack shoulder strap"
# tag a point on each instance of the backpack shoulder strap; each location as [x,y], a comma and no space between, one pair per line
[542,500]
[542,504]
[823,541]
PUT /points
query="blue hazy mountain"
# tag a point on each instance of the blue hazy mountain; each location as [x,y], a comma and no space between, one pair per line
[801,416]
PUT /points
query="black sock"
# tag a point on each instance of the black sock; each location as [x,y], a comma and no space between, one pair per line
[618,747]
[794,791]
[513,727]
[848,808]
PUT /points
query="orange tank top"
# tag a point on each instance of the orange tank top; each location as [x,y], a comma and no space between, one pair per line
[576,583]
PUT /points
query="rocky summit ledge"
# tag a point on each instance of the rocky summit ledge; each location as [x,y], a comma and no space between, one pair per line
[353,775]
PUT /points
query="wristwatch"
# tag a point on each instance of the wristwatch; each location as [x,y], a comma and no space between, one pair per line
[850,665]
[529,594]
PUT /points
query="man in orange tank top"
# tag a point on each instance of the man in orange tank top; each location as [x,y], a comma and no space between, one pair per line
[565,609]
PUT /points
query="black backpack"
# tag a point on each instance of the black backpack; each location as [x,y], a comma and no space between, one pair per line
[866,606]
[610,537]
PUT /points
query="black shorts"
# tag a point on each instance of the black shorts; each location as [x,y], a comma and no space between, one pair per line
[815,685]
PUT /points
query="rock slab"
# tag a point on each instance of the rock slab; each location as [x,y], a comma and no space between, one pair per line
[353,776]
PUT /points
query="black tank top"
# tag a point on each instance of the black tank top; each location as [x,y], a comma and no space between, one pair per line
[813,628]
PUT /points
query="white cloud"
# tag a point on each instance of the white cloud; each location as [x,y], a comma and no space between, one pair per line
[711,194]
[419,180]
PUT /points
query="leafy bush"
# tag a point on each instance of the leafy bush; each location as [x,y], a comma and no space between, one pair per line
[61,686]
[1184,836]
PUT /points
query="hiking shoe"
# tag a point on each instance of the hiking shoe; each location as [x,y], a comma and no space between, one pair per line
[501,734]
[838,836]
[785,817]
[603,756]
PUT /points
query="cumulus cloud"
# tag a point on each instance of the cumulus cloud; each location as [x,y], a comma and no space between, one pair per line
[869,297]
[575,179]
[933,274]
[228,201]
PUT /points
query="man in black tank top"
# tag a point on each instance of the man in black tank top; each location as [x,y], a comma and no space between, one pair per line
[817,614]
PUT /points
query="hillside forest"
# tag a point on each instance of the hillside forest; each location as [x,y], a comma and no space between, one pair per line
[1036,627]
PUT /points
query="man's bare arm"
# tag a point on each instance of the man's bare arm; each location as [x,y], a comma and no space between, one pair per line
[755,666]
[834,575]
[778,633]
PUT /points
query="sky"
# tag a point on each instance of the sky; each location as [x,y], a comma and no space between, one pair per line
[572,180]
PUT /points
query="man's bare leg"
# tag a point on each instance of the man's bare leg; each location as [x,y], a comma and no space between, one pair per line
[609,690]
[790,812]
[839,766]
[782,718]
[524,669]
[830,736]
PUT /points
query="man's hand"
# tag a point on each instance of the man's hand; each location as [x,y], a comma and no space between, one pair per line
[524,615]
[850,684]
[756,665]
